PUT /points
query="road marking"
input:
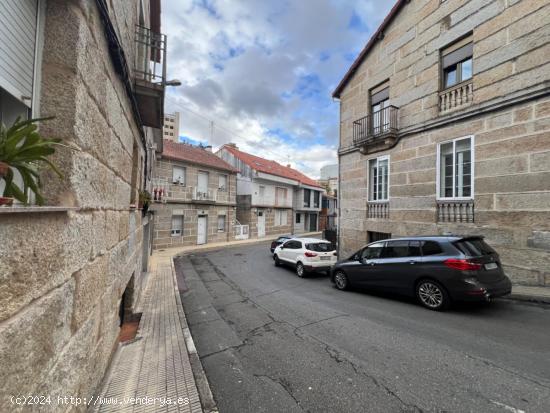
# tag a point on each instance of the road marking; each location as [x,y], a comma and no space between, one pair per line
[509,408]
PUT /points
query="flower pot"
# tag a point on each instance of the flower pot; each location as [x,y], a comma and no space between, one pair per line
[3,169]
[6,201]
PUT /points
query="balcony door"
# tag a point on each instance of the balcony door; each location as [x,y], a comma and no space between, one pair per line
[380,101]
[202,183]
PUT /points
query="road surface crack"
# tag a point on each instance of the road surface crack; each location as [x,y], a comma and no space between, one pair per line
[286,386]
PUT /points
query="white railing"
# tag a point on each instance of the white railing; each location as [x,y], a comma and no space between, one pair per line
[241,231]
[456,97]
[204,195]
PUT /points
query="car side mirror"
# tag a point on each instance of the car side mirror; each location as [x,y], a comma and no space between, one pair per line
[357,257]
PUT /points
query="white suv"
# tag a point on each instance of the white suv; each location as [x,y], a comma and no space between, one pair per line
[306,254]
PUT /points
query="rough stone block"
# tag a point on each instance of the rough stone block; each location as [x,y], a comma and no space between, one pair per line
[540,161]
[30,341]
[501,166]
[90,283]
[530,201]
[539,239]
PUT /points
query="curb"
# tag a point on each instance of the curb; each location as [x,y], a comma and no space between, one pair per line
[538,299]
[208,403]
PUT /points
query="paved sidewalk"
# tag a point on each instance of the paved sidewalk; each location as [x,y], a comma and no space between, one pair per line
[533,294]
[171,252]
[156,363]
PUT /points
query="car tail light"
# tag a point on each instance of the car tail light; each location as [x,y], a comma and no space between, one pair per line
[310,254]
[462,264]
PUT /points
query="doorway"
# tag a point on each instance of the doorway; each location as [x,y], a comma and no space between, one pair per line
[261,224]
[202,226]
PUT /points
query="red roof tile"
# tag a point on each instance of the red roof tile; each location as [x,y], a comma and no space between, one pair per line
[194,154]
[271,167]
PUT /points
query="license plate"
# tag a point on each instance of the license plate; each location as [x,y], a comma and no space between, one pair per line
[491,266]
[325,258]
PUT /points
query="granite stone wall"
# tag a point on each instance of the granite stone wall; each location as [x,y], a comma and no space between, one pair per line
[62,274]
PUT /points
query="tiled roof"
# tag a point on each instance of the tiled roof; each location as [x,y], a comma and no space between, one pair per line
[194,154]
[271,167]
[377,34]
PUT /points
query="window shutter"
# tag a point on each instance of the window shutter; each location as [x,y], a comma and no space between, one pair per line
[17,48]
[458,55]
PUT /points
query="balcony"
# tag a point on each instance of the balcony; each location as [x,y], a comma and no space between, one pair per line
[455,211]
[377,131]
[456,97]
[204,196]
[150,75]
[378,210]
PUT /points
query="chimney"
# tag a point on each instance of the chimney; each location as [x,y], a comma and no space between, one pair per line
[288,165]
[208,148]
[233,145]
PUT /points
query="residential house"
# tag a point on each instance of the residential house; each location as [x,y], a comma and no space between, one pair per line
[445,128]
[271,198]
[195,197]
[71,271]
[171,127]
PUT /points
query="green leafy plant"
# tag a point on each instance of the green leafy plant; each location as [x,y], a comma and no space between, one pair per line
[24,150]
[144,198]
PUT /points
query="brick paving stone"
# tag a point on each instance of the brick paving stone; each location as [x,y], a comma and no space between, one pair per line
[157,363]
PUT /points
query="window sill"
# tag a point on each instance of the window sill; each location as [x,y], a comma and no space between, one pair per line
[34,209]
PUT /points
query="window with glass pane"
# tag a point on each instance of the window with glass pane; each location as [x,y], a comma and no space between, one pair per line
[378,179]
[457,63]
[307,197]
[222,183]
[455,169]
[177,225]
[178,175]
[221,223]
[316,199]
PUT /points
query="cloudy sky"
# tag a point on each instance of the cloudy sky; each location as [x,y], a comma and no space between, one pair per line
[263,72]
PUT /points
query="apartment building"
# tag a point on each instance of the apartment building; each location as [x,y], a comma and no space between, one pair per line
[171,127]
[72,270]
[445,128]
[194,195]
[329,179]
[272,199]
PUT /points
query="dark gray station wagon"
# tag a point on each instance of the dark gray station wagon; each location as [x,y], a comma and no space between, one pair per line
[437,270]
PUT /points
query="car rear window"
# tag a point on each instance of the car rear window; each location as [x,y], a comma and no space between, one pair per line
[474,247]
[320,247]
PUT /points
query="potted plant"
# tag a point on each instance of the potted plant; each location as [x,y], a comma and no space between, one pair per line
[22,149]
[144,201]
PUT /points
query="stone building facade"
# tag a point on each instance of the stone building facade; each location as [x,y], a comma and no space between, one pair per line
[445,128]
[271,198]
[195,197]
[71,271]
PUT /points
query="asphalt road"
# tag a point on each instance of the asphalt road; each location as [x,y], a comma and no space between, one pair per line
[272,342]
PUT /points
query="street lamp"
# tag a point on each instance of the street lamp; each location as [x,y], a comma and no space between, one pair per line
[173,82]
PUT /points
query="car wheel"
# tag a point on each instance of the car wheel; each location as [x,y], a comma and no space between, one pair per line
[277,261]
[432,295]
[341,280]
[300,270]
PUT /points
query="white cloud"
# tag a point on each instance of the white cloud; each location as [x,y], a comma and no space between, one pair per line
[243,64]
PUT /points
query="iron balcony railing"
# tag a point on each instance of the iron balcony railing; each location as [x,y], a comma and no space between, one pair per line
[150,57]
[381,122]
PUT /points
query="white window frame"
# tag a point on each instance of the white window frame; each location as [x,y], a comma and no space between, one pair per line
[378,159]
[472,169]
[184,175]
[218,223]
[175,232]
[223,188]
